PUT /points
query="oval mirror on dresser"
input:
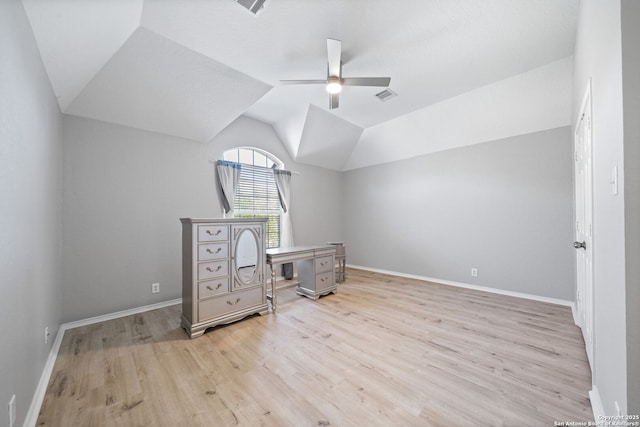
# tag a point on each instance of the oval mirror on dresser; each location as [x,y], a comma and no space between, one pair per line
[246,257]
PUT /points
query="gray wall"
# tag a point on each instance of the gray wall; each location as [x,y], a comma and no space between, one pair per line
[503,207]
[598,57]
[631,89]
[124,192]
[30,211]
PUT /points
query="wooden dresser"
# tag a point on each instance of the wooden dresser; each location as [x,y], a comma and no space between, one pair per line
[223,271]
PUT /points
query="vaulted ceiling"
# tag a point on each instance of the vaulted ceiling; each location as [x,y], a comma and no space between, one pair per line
[189,69]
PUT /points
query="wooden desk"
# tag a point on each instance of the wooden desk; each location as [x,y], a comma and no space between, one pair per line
[316,271]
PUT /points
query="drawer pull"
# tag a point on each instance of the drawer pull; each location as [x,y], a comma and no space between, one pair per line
[233,303]
[322,279]
[211,270]
[211,252]
[217,287]
[212,234]
[323,264]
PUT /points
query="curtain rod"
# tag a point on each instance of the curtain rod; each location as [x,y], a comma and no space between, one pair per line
[292,172]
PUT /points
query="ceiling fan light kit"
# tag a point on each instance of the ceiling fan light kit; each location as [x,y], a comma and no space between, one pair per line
[334,85]
[334,80]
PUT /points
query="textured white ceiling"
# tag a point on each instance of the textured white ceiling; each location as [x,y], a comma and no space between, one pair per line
[76,38]
[190,68]
[156,84]
[327,139]
[539,99]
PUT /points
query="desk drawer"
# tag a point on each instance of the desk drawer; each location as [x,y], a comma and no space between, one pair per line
[208,270]
[213,287]
[324,280]
[213,251]
[324,263]
[212,233]
[234,301]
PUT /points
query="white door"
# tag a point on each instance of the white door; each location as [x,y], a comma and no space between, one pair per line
[584,223]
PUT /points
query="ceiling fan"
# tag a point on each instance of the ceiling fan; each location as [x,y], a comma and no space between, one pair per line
[334,80]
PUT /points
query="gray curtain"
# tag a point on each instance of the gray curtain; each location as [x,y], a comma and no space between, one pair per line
[228,174]
[283,182]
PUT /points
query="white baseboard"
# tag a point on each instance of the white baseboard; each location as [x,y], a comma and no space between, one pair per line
[41,389]
[596,404]
[469,286]
[122,313]
[574,312]
[34,409]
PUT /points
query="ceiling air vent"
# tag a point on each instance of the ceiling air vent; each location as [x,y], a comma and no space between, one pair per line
[253,6]
[386,94]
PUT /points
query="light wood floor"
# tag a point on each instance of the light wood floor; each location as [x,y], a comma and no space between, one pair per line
[384,351]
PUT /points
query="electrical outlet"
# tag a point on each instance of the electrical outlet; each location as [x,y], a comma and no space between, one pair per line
[474,272]
[46,335]
[12,411]
[155,288]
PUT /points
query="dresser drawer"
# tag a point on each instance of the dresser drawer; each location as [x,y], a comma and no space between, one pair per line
[211,269]
[324,280]
[212,233]
[213,251]
[323,264]
[213,287]
[233,301]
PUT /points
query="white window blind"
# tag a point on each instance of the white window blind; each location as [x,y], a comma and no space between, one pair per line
[257,194]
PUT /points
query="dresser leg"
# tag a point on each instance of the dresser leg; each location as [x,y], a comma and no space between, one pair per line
[274,297]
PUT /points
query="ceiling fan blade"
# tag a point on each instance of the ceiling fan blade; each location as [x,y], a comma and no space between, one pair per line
[334,57]
[333,101]
[366,81]
[303,82]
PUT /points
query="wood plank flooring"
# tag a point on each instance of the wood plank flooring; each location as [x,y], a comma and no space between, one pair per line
[384,351]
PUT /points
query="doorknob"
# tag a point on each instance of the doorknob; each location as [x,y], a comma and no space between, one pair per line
[579,245]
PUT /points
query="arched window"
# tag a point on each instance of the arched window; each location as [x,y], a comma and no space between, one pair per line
[257,194]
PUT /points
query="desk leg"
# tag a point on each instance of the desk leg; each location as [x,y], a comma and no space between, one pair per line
[274,297]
